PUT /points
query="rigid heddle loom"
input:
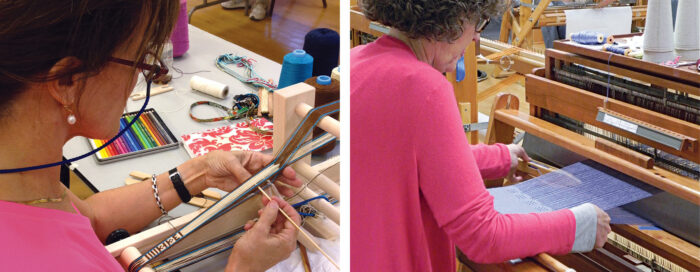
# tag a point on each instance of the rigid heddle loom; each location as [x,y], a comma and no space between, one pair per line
[205,233]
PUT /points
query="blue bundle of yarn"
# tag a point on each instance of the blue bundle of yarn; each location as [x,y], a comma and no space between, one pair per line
[589,37]
[297,67]
[324,45]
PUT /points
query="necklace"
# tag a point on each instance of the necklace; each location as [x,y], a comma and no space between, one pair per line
[44,200]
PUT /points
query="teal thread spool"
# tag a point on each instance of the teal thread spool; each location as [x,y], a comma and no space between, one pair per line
[297,67]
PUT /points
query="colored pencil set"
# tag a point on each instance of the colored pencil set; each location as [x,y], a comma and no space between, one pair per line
[148,134]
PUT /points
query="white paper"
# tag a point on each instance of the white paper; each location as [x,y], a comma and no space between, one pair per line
[611,21]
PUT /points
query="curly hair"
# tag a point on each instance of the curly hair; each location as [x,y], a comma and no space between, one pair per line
[439,20]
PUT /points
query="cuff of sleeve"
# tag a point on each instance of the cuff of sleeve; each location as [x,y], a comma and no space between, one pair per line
[586,222]
[505,158]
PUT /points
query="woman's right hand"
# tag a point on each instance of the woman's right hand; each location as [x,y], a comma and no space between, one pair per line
[602,228]
[268,241]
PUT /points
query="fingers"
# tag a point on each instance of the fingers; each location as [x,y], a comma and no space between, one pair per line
[268,217]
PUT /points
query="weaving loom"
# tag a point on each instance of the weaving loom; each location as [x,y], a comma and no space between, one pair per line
[636,117]
[205,233]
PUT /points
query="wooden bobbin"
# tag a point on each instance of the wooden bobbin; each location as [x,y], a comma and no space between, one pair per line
[129,255]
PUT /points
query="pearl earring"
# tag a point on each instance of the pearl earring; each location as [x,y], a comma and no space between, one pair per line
[71,117]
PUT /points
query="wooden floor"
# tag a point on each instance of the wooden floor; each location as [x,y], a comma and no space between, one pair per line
[273,37]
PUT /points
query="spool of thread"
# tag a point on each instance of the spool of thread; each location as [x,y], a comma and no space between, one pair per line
[297,67]
[620,50]
[327,90]
[323,45]
[658,32]
[687,34]
[208,86]
[335,74]
[180,36]
[590,37]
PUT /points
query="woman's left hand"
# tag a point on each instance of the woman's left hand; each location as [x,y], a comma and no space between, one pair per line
[516,152]
[227,170]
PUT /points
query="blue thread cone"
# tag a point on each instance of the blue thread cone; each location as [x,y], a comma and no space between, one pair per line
[297,67]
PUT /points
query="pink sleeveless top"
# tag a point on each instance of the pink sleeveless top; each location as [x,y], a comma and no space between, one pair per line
[40,239]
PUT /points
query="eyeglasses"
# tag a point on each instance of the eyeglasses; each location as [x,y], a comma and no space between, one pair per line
[481,24]
[151,66]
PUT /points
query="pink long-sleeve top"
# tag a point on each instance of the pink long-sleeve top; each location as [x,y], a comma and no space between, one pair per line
[416,184]
[40,239]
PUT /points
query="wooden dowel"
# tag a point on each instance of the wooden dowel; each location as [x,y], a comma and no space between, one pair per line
[327,123]
[304,258]
[301,231]
[129,255]
[316,177]
[551,263]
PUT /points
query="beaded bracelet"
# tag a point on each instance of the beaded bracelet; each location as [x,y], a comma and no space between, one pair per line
[244,105]
[155,194]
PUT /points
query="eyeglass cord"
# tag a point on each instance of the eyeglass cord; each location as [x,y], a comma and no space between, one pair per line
[68,161]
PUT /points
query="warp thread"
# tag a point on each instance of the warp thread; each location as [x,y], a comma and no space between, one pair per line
[591,38]
[296,67]
[180,36]
[208,86]
[323,45]
[327,90]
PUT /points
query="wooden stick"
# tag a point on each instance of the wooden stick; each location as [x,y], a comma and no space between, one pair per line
[299,229]
[304,258]
[551,263]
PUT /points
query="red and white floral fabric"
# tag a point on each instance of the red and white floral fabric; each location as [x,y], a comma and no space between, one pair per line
[238,136]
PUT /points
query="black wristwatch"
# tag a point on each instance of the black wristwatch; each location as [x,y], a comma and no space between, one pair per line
[182,191]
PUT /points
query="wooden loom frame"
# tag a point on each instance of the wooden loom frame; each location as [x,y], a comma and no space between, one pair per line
[546,95]
[517,27]
[130,248]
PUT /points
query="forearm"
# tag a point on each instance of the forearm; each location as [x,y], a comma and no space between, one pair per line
[133,207]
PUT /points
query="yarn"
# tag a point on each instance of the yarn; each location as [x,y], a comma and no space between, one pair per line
[687,35]
[590,37]
[620,50]
[251,77]
[208,86]
[658,32]
[180,36]
[327,90]
[336,73]
[296,67]
[324,45]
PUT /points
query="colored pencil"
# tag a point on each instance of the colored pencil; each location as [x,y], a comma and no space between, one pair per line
[146,134]
[132,135]
[153,130]
[110,149]
[132,145]
[160,128]
[138,133]
[97,143]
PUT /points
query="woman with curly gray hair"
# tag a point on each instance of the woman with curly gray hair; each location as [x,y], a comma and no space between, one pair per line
[417,186]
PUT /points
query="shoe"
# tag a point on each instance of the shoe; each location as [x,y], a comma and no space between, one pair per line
[259,10]
[233,4]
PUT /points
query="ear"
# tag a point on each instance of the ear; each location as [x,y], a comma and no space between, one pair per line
[64,88]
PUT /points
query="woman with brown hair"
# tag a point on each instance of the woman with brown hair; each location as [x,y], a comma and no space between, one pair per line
[66,69]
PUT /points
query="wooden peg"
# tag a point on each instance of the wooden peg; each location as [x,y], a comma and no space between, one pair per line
[139,175]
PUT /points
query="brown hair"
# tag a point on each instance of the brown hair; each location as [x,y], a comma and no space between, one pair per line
[36,34]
